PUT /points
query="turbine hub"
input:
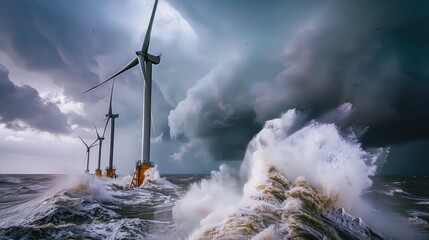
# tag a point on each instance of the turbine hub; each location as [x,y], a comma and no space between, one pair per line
[149,57]
[112,115]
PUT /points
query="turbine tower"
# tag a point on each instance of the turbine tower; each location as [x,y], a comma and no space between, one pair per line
[100,142]
[145,59]
[88,148]
[110,170]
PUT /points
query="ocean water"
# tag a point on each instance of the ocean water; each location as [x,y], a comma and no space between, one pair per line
[298,180]
[85,207]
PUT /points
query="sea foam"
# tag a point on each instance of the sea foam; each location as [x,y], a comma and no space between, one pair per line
[292,173]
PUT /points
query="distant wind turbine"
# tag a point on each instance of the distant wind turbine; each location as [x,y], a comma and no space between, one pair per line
[88,148]
[100,142]
[145,60]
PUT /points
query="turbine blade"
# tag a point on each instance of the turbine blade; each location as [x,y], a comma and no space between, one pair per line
[83,141]
[128,66]
[92,144]
[153,124]
[98,124]
[144,72]
[143,67]
[146,41]
[105,126]
[98,135]
[111,96]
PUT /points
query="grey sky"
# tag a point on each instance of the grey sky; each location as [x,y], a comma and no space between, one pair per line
[23,104]
[226,68]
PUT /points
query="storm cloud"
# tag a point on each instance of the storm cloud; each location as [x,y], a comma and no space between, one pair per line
[214,113]
[61,39]
[373,54]
[21,106]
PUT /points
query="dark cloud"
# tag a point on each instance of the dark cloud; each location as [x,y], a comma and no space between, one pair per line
[217,113]
[61,39]
[23,104]
[372,54]
[247,20]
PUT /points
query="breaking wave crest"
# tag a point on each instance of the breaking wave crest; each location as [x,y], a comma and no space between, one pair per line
[298,180]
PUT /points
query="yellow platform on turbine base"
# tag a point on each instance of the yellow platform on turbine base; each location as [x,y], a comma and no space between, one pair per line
[110,172]
[98,172]
[138,176]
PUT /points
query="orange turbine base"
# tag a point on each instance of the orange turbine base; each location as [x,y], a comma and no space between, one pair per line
[138,177]
[98,172]
[110,172]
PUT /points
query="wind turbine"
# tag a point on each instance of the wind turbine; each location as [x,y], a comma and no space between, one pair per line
[110,171]
[145,60]
[88,148]
[100,142]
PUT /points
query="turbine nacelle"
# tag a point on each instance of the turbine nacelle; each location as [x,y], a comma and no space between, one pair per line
[149,57]
[112,115]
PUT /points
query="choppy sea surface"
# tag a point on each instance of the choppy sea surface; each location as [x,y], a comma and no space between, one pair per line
[85,207]
[88,207]
[299,179]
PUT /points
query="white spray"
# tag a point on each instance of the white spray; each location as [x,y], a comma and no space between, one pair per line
[318,152]
[334,164]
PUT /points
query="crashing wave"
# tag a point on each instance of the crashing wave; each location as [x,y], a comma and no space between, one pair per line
[279,209]
[294,179]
